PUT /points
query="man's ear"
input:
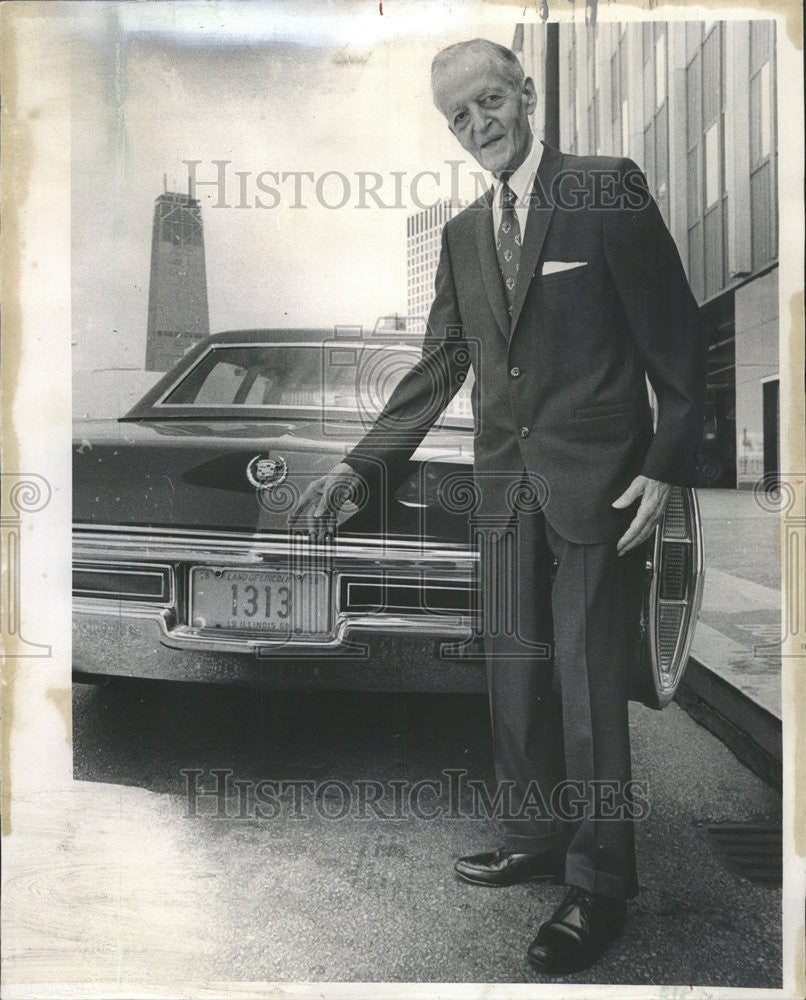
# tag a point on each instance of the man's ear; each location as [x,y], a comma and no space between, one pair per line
[530,94]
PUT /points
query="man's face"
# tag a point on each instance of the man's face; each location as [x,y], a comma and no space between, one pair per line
[486,111]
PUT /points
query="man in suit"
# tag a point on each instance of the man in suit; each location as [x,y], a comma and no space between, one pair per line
[564,290]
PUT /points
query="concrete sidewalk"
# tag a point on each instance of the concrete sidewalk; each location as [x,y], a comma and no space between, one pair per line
[733,683]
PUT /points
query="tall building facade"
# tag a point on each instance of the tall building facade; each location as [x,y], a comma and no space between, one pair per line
[177,295]
[423,242]
[693,103]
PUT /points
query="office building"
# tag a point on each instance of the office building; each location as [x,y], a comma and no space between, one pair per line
[693,103]
[423,242]
[177,295]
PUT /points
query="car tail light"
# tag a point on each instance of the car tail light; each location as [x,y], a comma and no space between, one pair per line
[672,600]
[396,594]
[150,584]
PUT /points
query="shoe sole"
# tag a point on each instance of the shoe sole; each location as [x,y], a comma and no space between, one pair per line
[554,877]
[560,968]
[566,968]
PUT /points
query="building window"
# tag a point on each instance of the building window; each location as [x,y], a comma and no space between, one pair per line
[760,112]
[660,70]
[594,59]
[615,100]
[712,166]
[707,195]
[572,90]
[624,88]
[693,38]
[763,207]
[594,129]
[619,91]
[649,81]
[625,127]
[646,40]
[656,114]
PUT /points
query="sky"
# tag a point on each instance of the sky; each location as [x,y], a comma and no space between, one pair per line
[335,91]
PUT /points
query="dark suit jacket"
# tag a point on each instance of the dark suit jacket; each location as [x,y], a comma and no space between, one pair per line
[560,385]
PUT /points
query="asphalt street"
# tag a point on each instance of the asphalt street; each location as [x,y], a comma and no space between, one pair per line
[347,876]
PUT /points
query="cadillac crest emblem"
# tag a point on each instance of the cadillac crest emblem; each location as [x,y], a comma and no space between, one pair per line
[266,473]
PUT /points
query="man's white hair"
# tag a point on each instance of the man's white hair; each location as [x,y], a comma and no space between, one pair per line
[504,58]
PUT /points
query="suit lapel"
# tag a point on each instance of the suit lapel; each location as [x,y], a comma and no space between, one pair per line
[493,285]
[541,207]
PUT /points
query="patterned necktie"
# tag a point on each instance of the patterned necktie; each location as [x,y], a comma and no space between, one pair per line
[508,240]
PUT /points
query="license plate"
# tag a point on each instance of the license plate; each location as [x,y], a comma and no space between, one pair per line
[271,602]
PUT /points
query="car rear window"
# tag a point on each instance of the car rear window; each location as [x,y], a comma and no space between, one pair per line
[354,378]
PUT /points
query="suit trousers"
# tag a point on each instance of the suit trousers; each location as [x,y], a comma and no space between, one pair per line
[561,623]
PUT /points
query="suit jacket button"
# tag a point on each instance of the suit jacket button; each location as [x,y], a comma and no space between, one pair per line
[524,432]
[515,372]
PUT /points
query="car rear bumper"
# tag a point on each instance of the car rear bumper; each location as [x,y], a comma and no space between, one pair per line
[407,602]
[393,602]
[109,646]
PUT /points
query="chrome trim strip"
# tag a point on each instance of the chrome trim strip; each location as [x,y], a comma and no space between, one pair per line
[186,637]
[116,531]
[269,407]
[698,552]
[148,545]
[119,609]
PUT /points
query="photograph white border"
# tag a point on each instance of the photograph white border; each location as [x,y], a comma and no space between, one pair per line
[36,446]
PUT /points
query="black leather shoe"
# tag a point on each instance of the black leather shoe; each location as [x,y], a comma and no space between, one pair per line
[501,867]
[579,930]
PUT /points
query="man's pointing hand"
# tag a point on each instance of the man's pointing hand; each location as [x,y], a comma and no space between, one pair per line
[654,495]
[317,509]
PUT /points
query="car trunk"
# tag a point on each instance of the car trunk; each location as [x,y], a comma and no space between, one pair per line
[192,474]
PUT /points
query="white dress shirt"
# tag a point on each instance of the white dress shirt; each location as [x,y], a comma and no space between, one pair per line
[521,183]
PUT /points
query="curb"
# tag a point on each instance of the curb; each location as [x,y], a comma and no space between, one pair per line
[750,731]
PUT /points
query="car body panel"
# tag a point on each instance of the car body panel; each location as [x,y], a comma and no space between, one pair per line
[166,521]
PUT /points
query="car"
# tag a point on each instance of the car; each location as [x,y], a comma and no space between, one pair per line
[184,567]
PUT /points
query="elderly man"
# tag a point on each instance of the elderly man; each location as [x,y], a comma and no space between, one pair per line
[567,284]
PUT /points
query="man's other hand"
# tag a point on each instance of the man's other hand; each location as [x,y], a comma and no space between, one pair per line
[316,511]
[654,495]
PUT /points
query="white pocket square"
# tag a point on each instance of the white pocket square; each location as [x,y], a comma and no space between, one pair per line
[553,266]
